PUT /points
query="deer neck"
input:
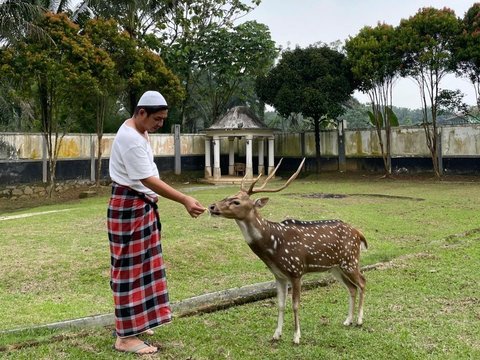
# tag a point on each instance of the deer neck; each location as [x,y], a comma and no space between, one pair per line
[254,228]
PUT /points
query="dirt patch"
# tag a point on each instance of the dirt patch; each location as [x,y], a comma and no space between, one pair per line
[341,196]
[324,196]
[390,197]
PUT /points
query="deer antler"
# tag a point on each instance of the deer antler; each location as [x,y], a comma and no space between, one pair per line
[251,190]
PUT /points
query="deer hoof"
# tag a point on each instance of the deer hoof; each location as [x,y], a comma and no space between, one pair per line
[276,338]
[348,322]
[296,340]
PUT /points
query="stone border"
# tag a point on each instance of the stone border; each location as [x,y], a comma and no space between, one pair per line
[38,190]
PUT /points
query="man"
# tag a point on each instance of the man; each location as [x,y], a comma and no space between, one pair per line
[138,279]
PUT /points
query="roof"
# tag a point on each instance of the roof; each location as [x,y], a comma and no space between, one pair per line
[238,117]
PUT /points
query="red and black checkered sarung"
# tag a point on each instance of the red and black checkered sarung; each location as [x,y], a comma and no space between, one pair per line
[138,278]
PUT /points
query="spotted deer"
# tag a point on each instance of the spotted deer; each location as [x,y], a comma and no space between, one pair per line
[293,248]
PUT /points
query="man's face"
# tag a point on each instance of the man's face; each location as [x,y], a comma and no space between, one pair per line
[154,121]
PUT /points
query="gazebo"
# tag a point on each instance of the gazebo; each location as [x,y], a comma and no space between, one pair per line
[239,122]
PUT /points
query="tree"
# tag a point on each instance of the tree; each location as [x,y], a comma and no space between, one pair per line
[371,55]
[228,66]
[137,18]
[181,41]
[151,27]
[139,23]
[18,20]
[427,44]
[56,73]
[467,50]
[104,35]
[315,82]
[356,114]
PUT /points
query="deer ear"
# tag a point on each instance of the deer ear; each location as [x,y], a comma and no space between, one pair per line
[259,203]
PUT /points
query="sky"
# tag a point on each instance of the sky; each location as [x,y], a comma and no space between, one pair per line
[305,22]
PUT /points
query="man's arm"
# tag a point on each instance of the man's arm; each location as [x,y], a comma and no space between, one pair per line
[193,207]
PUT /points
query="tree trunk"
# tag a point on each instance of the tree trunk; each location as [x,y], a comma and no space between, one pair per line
[317,146]
[101,110]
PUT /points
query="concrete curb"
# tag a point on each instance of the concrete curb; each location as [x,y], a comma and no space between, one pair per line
[196,305]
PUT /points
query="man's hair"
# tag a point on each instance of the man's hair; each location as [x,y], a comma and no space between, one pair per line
[150,109]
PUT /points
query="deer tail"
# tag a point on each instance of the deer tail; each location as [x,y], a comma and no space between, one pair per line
[363,241]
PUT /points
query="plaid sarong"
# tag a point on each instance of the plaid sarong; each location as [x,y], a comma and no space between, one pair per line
[138,278]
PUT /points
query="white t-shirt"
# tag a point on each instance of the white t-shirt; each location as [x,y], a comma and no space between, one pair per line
[131,160]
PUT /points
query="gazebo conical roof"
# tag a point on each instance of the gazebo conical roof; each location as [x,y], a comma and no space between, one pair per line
[239,120]
[238,117]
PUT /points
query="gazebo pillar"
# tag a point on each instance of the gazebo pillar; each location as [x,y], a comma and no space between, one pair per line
[231,155]
[261,156]
[208,160]
[217,173]
[271,154]
[249,154]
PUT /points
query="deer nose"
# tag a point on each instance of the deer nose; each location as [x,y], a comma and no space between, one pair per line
[211,208]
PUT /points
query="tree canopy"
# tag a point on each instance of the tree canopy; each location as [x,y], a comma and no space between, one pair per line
[314,82]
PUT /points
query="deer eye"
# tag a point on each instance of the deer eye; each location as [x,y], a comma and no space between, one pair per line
[236,202]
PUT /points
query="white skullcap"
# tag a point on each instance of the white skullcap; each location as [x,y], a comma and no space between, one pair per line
[152,98]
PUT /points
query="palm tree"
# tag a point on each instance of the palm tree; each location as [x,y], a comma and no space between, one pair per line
[136,17]
[17,20]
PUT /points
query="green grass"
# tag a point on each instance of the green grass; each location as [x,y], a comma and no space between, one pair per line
[424,305]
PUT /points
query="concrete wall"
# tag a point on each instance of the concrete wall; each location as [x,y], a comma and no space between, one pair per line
[463,141]
[21,146]
[21,154]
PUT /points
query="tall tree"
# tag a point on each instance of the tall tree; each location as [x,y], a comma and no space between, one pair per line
[175,29]
[106,36]
[56,73]
[372,55]
[230,62]
[467,50]
[136,17]
[427,43]
[182,40]
[141,67]
[315,82]
[18,20]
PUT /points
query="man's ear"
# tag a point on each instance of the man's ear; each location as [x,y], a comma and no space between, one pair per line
[259,203]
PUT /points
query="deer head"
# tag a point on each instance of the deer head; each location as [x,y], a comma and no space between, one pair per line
[240,206]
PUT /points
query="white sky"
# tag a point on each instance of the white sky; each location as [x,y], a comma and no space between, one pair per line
[305,22]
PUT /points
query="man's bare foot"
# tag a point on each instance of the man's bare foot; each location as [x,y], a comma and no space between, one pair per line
[134,345]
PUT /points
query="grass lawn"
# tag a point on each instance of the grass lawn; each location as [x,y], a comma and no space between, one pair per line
[424,303]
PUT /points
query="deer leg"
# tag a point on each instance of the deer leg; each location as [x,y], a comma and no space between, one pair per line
[282,289]
[352,289]
[361,289]
[357,281]
[296,288]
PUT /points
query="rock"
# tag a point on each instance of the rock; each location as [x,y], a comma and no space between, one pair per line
[87,194]
[17,192]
